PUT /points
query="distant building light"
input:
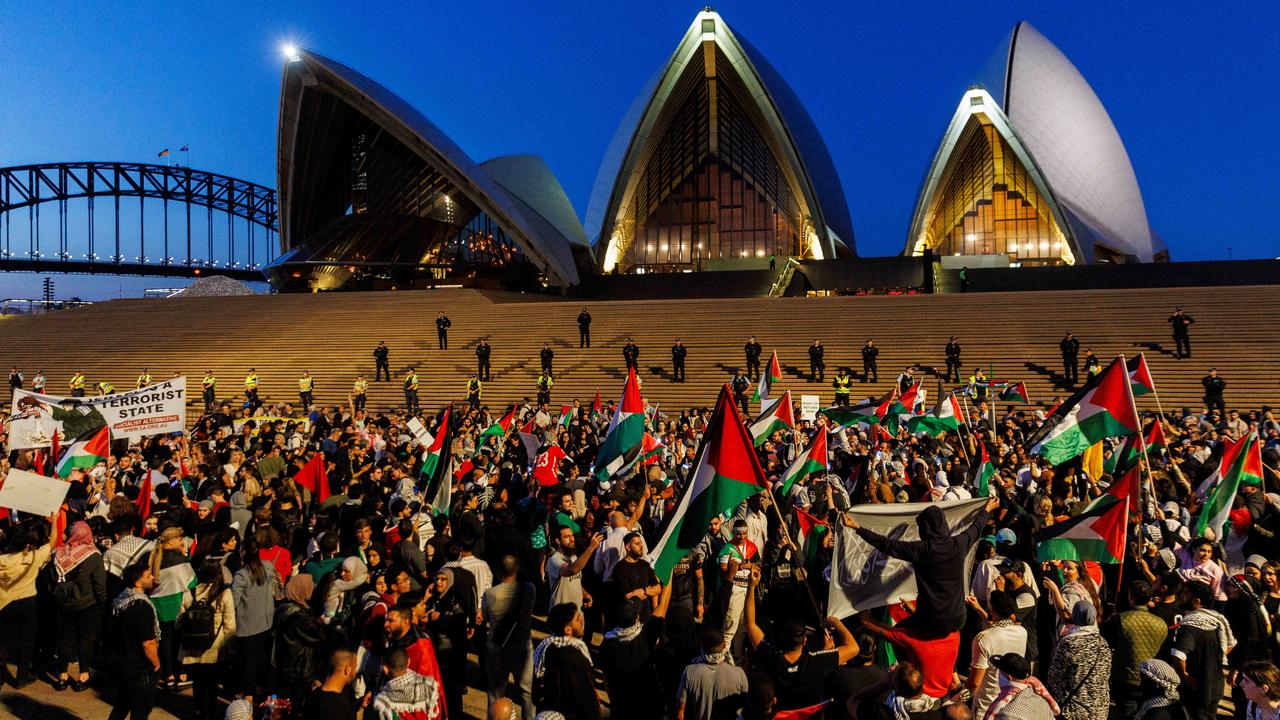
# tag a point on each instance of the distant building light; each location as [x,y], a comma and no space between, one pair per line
[970,237]
[290,52]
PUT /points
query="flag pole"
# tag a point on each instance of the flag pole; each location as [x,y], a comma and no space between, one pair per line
[786,533]
[1160,409]
[1142,438]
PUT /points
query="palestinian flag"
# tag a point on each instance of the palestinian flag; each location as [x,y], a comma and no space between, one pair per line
[596,414]
[143,502]
[809,530]
[650,451]
[1126,488]
[1017,393]
[945,416]
[813,459]
[626,432]
[1140,375]
[529,438]
[566,417]
[777,416]
[171,586]
[724,474]
[904,407]
[772,374]
[436,458]
[1241,465]
[653,419]
[867,412]
[986,471]
[502,427]
[1128,454]
[85,452]
[1096,534]
[1102,408]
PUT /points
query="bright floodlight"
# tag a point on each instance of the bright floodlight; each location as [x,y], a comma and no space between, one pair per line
[290,52]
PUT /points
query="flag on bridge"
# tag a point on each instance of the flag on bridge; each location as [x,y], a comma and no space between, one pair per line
[725,473]
[163,153]
[1102,408]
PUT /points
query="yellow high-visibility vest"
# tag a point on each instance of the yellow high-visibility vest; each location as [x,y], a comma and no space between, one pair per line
[305,384]
[251,382]
[144,379]
[77,381]
[360,386]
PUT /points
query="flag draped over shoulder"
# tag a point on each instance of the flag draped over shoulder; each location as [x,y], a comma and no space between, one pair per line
[724,474]
[1102,408]
[776,416]
[625,436]
[1241,465]
[171,587]
[810,460]
[85,452]
[1096,534]
[772,374]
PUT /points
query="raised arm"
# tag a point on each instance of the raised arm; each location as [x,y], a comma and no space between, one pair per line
[754,634]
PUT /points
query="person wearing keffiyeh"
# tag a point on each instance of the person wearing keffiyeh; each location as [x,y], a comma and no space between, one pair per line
[1200,646]
[562,669]
[1081,667]
[1159,683]
[81,594]
[1022,696]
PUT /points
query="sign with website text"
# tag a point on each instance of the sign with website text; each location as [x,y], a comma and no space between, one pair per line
[152,410]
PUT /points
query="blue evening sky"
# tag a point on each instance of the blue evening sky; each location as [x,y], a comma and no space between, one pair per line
[1192,89]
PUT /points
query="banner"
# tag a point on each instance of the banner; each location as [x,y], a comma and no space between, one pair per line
[152,410]
[809,405]
[31,493]
[863,577]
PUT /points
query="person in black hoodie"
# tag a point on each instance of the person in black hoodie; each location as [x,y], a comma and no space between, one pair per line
[938,561]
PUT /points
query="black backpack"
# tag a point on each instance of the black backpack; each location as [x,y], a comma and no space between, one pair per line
[67,592]
[197,627]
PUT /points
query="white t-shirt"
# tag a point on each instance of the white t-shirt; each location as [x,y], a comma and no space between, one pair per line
[564,587]
[611,551]
[995,640]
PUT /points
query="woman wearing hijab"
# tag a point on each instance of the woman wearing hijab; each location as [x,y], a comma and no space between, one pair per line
[1159,684]
[299,635]
[24,556]
[447,617]
[201,655]
[342,591]
[79,594]
[1080,673]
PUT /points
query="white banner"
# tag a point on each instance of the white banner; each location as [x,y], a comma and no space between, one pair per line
[809,405]
[863,577]
[31,493]
[152,410]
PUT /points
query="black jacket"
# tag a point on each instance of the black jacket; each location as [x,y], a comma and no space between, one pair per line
[1069,346]
[953,352]
[753,350]
[678,353]
[299,634]
[630,351]
[483,350]
[938,561]
[584,319]
[89,579]
[816,352]
[443,323]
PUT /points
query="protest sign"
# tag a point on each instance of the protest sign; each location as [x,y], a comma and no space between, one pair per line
[151,410]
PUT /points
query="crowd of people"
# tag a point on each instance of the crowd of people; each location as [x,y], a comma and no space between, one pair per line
[305,564]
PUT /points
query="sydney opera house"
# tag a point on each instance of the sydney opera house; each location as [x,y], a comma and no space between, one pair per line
[715,166]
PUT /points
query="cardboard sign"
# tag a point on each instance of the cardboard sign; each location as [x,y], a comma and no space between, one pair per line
[31,493]
[809,405]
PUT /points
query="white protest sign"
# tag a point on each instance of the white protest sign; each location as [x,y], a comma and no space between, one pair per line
[151,410]
[31,493]
[809,405]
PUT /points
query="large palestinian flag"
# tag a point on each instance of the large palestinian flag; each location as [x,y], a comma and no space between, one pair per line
[724,474]
[777,416]
[867,412]
[85,452]
[435,466]
[944,417]
[904,407]
[1102,408]
[1096,534]
[626,432]
[1140,375]
[772,374]
[171,587]
[1241,465]
[811,460]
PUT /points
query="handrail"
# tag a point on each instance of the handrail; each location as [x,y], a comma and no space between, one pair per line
[780,283]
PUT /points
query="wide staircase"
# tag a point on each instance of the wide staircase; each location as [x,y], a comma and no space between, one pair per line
[333,336]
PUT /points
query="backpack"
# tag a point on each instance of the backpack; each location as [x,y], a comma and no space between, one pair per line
[197,627]
[67,593]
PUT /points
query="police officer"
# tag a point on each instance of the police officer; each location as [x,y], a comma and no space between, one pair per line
[870,371]
[77,384]
[548,358]
[752,350]
[382,361]
[144,379]
[105,388]
[1213,387]
[1181,324]
[817,368]
[360,393]
[978,385]
[544,388]
[584,329]
[739,385]
[678,354]
[841,384]
[631,355]
[1070,348]
[410,387]
[474,388]
[209,388]
[442,330]
[953,359]
[483,351]
[251,389]
[306,390]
